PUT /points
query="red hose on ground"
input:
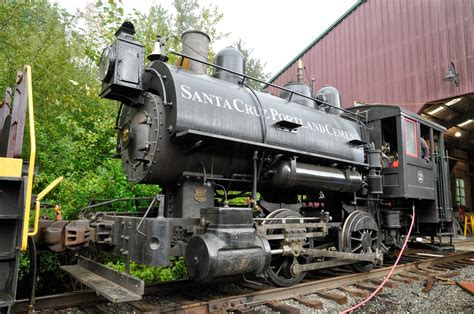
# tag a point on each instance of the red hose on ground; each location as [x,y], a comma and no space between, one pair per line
[391,270]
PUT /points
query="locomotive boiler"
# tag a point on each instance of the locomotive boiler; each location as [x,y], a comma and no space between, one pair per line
[324,186]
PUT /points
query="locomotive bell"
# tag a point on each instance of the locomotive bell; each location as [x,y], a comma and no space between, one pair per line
[159,50]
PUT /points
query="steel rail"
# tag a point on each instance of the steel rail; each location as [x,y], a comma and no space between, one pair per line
[243,301]
[277,294]
[75,298]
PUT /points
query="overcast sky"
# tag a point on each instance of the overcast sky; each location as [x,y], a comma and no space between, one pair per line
[276,30]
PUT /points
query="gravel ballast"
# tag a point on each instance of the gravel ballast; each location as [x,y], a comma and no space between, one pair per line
[408,298]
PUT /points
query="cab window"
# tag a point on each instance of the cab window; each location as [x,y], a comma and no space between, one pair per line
[411,140]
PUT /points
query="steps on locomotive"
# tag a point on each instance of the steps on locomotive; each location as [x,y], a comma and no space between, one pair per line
[436,243]
[115,286]
[11,223]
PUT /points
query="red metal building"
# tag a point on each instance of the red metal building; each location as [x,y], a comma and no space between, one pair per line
[385,51]
[418,54]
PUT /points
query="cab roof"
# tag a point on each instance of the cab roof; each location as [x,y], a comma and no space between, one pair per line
[378,111]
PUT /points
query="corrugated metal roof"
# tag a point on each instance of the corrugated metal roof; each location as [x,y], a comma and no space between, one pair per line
[394,52]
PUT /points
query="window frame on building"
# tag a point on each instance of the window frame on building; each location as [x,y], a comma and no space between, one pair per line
[460,194]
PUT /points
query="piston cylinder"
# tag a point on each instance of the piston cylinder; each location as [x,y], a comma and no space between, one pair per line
[229,246]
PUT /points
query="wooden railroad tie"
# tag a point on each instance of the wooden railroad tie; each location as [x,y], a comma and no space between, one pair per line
[389,284]
[464,263]
[437,268]
[278,306]
[452,265]
[445,266]
[427,272]
[430,280]
[247,311]
[179,300]
[314,304]
[414,277]
[355,292]
[401,279]
[367,287]
[428,285]
[336,297]
[143,307]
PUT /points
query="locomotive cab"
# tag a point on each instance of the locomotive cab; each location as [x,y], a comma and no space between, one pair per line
[415,167]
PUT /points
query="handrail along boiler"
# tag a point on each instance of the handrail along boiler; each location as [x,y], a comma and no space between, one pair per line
[326,186]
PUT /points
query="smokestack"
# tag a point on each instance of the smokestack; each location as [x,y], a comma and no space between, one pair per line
[196,45]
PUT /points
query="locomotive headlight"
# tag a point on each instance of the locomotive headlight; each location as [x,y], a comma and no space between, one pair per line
[106,63]
[125,137]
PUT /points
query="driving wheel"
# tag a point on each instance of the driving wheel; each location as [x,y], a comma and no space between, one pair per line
[279,271]
[360,235]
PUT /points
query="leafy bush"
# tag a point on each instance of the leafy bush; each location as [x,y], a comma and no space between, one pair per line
[149,274]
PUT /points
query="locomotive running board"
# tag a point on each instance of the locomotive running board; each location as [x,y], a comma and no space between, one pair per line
[115,286]
[195,135]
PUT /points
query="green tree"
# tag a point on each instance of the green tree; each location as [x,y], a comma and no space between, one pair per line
[100,21]
[75,132]
[253,66]
[74,127]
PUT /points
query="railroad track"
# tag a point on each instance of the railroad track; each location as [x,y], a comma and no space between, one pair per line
[335,285]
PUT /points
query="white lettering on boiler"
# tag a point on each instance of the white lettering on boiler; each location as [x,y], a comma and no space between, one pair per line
[269,114]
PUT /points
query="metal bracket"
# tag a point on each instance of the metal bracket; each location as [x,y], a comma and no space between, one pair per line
[113,285]
[375,258]
[342,258]
[161,208]
[237,303]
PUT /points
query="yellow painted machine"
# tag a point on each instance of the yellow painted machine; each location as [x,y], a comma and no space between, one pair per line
[16,181]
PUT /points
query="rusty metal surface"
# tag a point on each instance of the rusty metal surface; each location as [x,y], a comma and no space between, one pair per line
[63,234]
[5,106]
[18,116]
[112,284]
[5,110]
[51,233]
[78,233]
[395,52]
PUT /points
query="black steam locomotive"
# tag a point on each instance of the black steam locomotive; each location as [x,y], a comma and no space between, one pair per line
[325,186]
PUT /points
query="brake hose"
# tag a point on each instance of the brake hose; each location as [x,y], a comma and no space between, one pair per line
[391,270]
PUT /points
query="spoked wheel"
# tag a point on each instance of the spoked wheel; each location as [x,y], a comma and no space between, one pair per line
[360,235]
[279,272]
